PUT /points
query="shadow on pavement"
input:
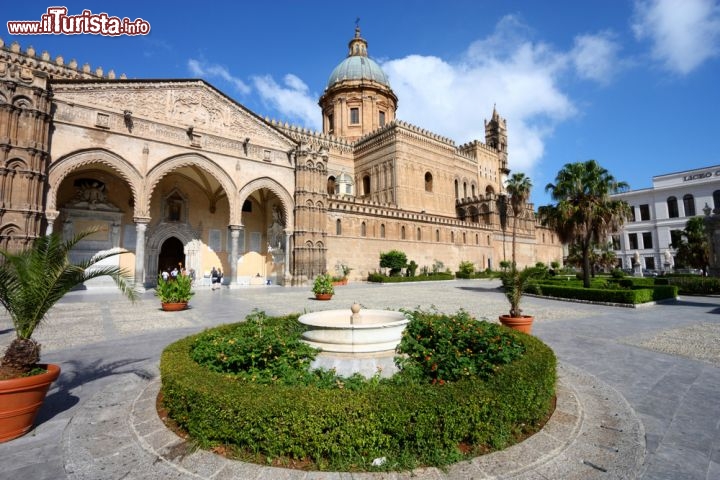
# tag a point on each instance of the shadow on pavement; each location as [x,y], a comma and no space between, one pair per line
[75,374]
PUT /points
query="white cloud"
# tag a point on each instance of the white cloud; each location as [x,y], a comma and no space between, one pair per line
[595,57]
[199,69]
[683,33]
[506,69]
[293,100]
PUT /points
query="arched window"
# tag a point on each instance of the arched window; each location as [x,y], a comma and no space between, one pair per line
[672,207]
[363,229]
[464,189]
[419,234]
[428,182]
[402,233]
[477,239]
[689,205]
[338,227]
[464,238]
[366,185]
[452,237]
[437,235]
[472,189]
[457,194]
[488,239]
[331,185]
[382,230]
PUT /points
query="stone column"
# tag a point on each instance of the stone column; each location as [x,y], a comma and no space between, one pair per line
[234,237]
[140,228]
[50,216]
[286,273]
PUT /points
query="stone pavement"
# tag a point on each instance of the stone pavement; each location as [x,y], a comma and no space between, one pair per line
[638,392]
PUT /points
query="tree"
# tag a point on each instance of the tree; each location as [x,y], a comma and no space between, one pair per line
[518,186]
[693,249]
[395,260]
[584,213]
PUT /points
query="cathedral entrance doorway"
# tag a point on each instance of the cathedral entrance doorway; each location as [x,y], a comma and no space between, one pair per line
[171,254]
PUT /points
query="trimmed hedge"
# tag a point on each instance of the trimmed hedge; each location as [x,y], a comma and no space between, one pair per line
[628,296]
[477,275]
[380,278]
[694,285]
[408,423]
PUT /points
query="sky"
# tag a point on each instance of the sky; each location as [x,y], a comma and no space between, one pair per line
[633,84]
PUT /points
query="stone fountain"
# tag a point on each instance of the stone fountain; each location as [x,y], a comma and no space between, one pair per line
[355,342]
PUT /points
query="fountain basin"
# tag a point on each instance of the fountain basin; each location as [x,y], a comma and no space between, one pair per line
[371,331]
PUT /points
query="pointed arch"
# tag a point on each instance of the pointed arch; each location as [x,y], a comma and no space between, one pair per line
[171,164]
[64,166]
[286,201]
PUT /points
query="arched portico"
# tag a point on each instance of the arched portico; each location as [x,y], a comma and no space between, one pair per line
[64,166]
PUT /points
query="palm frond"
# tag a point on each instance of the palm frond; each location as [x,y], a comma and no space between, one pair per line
[32,281]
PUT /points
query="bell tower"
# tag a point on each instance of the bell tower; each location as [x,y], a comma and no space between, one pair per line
[496,137]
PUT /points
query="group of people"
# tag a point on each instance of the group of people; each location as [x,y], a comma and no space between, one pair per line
[216,276]
[172,273]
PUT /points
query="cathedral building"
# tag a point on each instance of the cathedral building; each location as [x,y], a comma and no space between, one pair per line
[178,173]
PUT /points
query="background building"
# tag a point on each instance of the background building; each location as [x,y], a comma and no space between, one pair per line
[176,172]
[661,212]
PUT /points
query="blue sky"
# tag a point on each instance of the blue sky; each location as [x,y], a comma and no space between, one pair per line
[633,84]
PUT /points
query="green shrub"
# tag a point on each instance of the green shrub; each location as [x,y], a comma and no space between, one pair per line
[466,268]
[617,273]
[261,349]
[412,268]
[695,285]
[442,348]
[380,278]
[395,260]
[411,424]
[323,285]
[628,296]
[175,289]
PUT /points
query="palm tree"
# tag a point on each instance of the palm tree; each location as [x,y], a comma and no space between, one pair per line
[518,186]
[585,214]
[33,280]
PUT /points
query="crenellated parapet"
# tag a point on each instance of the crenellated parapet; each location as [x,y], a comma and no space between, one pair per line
[28,61]
[398,128]
[311,137]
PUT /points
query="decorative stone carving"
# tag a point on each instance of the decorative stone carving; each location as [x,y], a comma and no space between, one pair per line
[183,103]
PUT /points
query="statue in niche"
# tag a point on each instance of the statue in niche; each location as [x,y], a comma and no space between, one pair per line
[92,195]
[276,231]
[174,208]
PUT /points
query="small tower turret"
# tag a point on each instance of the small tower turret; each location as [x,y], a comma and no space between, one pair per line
[496,137]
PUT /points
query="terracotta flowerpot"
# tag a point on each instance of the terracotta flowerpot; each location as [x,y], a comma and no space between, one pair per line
[521,324]
[174,306]
[323,296]
[20,401]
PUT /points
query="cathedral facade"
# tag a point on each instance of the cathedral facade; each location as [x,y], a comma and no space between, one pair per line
[179,174]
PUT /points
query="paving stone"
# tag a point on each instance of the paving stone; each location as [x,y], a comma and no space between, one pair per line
[109,353]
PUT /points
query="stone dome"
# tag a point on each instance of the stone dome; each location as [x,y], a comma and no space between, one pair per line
[358,68]
[357,65]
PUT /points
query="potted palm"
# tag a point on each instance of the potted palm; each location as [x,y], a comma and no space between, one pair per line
[323,287]
[514,282]
[174,293]
[32,281]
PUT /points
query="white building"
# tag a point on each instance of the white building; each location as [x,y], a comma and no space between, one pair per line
[661,212]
